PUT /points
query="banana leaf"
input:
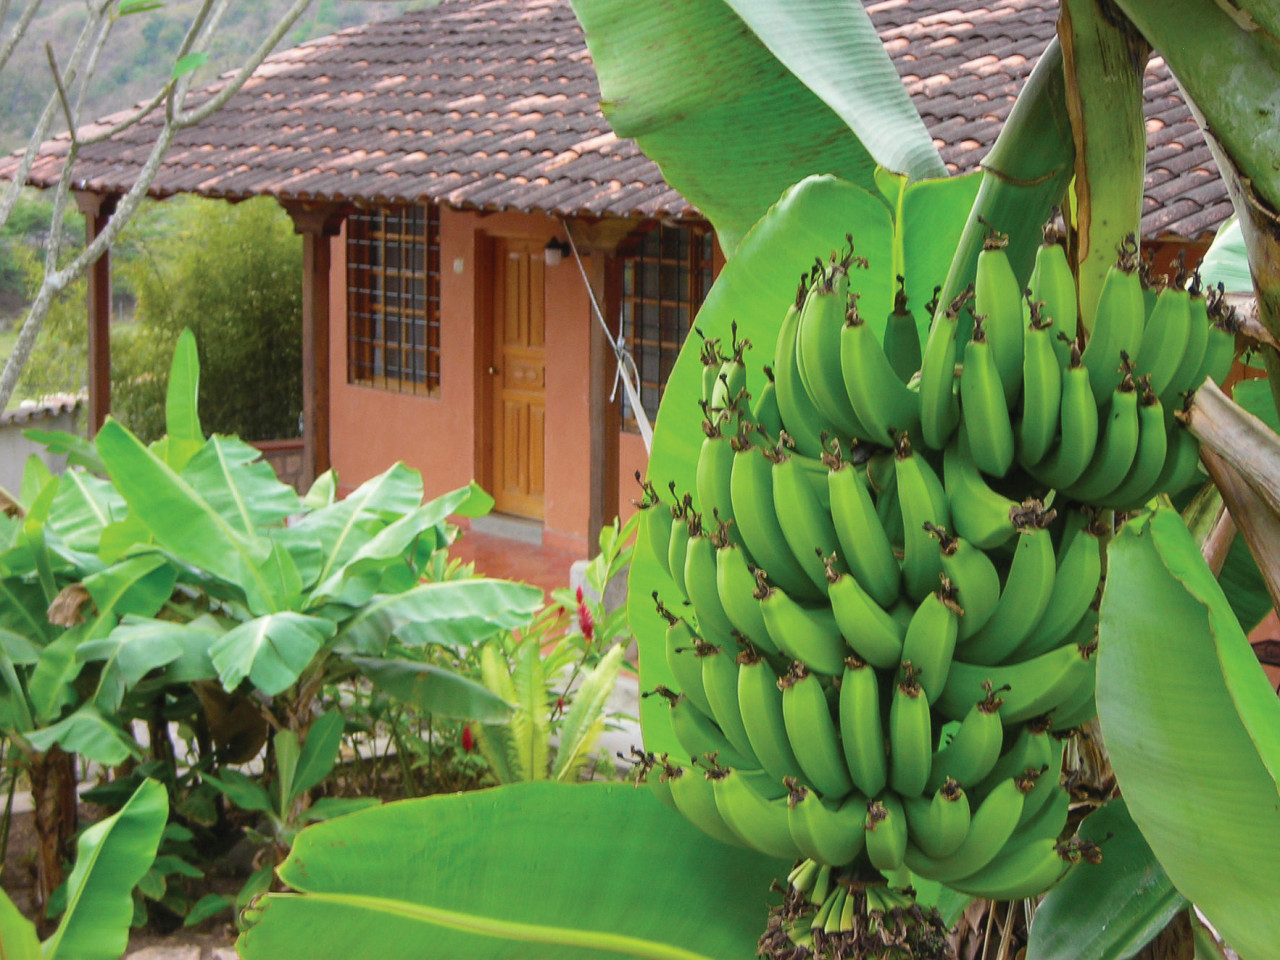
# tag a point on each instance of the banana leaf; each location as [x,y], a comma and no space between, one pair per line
[735,110]
[184,437]
[88,733]
[540,870]
[434,690]
[754,290]
[17,933]
[239,485]
[1191,725]
[182,521]
[271,651]
[1107,911]
[111,857]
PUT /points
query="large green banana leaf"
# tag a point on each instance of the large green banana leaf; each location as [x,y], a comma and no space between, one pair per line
[111,857]
[754,290]
[1110,910]
[734,110]
[18,940]
[540,870]
[1193,729]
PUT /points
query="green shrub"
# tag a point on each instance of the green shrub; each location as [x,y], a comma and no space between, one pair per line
[232,273]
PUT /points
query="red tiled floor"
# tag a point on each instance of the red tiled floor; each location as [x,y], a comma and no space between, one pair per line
[545,567]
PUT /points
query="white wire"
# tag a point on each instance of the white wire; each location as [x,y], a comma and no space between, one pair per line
[626,371]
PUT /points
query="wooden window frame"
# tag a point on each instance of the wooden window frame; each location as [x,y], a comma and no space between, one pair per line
[646,249]
[393,299]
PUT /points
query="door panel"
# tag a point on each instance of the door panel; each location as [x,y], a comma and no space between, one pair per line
[518,373]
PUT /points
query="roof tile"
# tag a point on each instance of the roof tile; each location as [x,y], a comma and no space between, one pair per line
[494,104]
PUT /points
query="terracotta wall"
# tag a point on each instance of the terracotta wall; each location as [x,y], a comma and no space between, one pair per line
[373,428]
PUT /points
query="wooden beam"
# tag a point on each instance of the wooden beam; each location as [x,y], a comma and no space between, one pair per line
[603,433]
[317,224]
[97,209]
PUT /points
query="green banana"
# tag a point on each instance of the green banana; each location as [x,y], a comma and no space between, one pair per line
[873,634]
[973,577]
[1031,751]
[818,347]
[881,400]
[1078,430]
[698,733]
[864,545]
[712,475]
[902,337]
[998,298]
[812,732]
[1026,592]
[694,797]
[983,404]
[1044,812]
[980,515]
[803,633]
[701,589]
[910,735]
[1220,346]
[720,682]
[1117,325]
[930,640]
[939,406]
[1153,448]
[681,658]
[751,486]
[1165,339]
[938,825]
[975,748]
[1053,284]
[656,519]
[924,503]
[683,517]
[991,826]
[832,834]
[736,586]
[1075,585]
[1034,686]
[731,378]
[1181,467]
[806,523]
[712,360]
[1018,874]
[1117,447]
[760,705]
[1184,378]
[761,823]
[861,727]
[886,832]
[1041,389]
[765,415]
[798,414]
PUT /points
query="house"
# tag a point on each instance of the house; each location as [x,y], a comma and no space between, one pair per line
[437,167]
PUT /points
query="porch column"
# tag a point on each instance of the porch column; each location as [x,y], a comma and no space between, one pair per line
[603,433]
[317,223]
[97,209]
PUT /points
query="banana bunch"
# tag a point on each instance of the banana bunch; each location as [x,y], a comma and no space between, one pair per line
[880,635]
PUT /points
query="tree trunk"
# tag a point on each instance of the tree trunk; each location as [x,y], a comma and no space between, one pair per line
[53,795]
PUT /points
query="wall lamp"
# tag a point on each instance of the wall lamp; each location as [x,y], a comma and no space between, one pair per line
[555,251]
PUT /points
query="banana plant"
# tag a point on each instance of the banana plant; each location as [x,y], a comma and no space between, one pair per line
[112,856]
[1181,675]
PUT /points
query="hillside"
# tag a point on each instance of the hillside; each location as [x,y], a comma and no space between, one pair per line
[139,55]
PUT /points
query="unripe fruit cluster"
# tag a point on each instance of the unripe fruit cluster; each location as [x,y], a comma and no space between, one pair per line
[890,632]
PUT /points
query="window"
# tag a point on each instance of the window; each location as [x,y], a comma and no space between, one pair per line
[666,273]
[393,299]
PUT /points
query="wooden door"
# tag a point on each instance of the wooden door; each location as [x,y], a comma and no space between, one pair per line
[518,375]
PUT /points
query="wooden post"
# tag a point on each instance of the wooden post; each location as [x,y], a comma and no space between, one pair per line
[603,434]
[97,209]
[316,223]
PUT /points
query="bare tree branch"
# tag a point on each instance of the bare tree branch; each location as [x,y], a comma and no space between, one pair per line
[173,94]
[19,29]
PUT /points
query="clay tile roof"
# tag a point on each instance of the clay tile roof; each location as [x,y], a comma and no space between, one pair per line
[494,104]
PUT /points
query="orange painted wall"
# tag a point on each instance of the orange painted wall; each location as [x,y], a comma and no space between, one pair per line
[441,437]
